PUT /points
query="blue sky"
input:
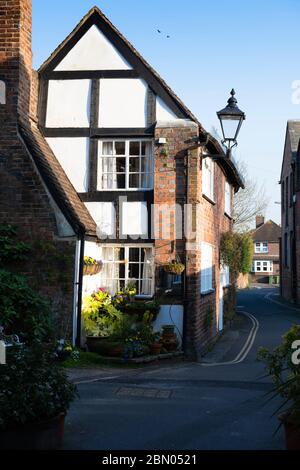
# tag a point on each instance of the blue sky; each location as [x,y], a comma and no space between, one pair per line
[252,46]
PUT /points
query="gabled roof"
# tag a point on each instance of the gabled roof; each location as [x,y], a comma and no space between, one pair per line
[57,182]
[268,232]
[96,17]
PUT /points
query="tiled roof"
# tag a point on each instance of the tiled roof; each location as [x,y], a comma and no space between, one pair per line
[268,232]
[56,180]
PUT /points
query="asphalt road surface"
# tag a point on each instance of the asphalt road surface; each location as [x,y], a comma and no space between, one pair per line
[189,406]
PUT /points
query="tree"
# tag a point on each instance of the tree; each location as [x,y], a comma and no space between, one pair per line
[249,202]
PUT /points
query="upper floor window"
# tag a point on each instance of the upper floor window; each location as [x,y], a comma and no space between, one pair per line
[227,198]
[125,164]
[208,177]
[261,247]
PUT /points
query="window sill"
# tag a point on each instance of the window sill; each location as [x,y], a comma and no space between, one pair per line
[207,292]
[208,199]
[143,297]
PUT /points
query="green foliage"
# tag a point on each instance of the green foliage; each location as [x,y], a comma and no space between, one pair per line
[32,388]
[100,316]
[10,249]
[284,373]
[22,310]
[237,252]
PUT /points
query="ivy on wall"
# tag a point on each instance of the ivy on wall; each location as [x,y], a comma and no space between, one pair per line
[237,252]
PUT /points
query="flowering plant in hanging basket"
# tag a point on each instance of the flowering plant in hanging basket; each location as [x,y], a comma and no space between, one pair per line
[91,266]
[174,267]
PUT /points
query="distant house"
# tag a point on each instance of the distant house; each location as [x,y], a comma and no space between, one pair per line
[266,239]
[290,213]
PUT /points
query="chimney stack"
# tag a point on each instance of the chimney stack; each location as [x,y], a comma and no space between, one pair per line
[15,61]
[260,220]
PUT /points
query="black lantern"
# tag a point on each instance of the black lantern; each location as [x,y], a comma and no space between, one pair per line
[231,119]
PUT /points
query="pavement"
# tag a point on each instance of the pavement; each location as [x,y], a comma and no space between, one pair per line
[220,403]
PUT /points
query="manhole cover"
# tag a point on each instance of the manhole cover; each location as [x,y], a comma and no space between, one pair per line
[143,392]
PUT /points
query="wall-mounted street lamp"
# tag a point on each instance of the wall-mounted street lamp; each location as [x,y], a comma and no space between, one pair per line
[231,119]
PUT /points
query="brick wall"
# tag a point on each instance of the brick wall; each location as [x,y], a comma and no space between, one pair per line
[171,171]
[23,199]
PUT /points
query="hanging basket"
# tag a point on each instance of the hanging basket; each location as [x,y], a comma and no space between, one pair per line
[174,267]
[91,267]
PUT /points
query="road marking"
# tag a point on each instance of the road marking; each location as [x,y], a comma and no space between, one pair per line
[245,349]
[267,297]
[99,379]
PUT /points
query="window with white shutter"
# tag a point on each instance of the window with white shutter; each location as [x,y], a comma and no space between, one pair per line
[208,177]
[206,267]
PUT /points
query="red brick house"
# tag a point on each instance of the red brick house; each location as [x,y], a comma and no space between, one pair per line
[290,214]
[140,166]
[266,238]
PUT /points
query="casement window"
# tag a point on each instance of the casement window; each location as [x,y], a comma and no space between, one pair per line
[125,164]
[208,178]
[225,275]
[227,198]
[127,264]
[262,266]
[261,247]
[206,267]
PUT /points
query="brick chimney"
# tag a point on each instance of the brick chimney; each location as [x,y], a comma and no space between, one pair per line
[260,220]
[15,61]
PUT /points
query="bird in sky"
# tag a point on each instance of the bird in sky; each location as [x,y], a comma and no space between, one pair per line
[160,32]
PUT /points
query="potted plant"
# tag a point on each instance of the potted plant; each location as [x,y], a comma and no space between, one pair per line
[91,266]
[174,267]
[285,374]
[35,395]
[169,338]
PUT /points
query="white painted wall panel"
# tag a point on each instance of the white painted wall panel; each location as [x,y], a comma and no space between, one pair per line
[104,215]
[93,52]
[73,155]
[123,103]
[68,103]
[134,218]
[170,315]
[163,112]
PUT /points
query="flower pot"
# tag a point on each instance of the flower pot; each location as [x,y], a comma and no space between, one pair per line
[105,346]
[174,268]
[92,269]
[155,349]
[292,433]
[46,435]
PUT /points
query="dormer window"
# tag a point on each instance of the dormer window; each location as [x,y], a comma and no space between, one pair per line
[125,164]
[2,92]
[261,247]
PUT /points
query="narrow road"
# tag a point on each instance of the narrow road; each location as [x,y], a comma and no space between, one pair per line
[188,406]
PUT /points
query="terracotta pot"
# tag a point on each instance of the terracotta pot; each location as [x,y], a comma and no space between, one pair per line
[47,435]
[292,433]
[155,349]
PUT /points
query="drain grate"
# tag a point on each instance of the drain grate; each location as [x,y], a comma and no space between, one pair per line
[143,392]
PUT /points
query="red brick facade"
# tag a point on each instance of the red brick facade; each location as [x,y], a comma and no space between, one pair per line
[178,179]
[24,200]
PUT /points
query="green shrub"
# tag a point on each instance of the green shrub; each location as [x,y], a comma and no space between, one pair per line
[32,387]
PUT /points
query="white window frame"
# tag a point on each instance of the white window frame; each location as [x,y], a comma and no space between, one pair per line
[207,258]
[208,172]
[127,173]
[127,279]
[261,247]
[228,198]
[262,266]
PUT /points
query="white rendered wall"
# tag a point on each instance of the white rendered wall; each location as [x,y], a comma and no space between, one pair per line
[134,218]
[93,52]
[163,112]
[91,283]
[123,103]
[170,315]
[104,215]
[73,155]
[68,103]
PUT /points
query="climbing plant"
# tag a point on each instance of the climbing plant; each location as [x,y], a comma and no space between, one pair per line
[237,252]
